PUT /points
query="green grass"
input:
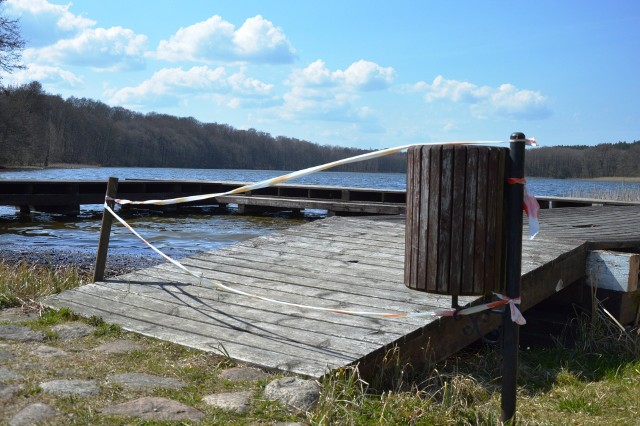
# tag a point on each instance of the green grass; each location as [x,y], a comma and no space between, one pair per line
[24,284]
[591,380]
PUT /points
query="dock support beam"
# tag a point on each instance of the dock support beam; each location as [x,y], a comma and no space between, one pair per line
[105,232]
[510,330]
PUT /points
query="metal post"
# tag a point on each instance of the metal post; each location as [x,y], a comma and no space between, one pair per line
[105,232]
[510,330]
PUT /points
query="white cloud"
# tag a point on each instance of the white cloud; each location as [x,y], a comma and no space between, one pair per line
[56,37]
[361,75]
[486,102]
[43,23]
[241,84]
[216,40]
[365,75]
[102,49]
[456,91]
[170,85]
[315,74]
[511,101]
[318,92]
[51,76]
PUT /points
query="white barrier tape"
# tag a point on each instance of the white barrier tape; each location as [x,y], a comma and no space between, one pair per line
[310,170]
[441,313]
[516,315]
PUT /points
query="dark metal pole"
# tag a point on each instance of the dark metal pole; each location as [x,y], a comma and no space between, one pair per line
[105,232]
[510,330]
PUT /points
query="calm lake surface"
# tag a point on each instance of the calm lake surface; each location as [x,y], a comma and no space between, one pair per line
[183,234]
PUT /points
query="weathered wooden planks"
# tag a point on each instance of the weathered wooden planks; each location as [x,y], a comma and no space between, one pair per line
[454,224]
[614,270]
[337,262]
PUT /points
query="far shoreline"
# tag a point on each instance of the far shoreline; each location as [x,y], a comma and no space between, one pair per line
[621,179]
[613,179]
[50,166]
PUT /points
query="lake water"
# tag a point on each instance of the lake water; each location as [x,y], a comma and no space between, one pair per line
[184,234]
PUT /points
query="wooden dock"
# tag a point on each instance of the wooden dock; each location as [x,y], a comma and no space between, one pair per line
[338,262]
[66,197]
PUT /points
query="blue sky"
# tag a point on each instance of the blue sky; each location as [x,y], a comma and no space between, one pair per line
[368,74]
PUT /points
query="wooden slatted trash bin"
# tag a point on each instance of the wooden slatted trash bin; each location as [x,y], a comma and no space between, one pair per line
[454,240]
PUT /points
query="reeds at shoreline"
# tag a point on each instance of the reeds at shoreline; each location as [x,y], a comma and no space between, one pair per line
[617,194]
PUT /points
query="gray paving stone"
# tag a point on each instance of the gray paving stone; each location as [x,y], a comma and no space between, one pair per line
[71,387]
[44,351]
[295,393]
[17,315]
[32,414]
[73,330]
[6,356]
[8,375]
[7,391]
[154,408]
[239,374]
[119,347]
[233,401]
[145,381]
[20,333]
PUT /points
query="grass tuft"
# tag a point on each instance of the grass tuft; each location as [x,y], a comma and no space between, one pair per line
[57,316]
[591,378]
[23,284]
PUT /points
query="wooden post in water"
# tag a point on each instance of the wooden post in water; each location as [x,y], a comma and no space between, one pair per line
[510,330]
[105,232]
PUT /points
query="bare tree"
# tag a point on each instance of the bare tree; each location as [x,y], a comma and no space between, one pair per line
[11,43]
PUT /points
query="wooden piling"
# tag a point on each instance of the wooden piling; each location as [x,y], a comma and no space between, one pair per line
[105,232]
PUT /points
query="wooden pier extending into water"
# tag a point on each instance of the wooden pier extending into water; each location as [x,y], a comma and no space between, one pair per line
[66,197]
[338,262]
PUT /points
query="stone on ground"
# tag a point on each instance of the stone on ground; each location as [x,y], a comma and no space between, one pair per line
[20,333]
[122,346]
[17,315]
[146,381]
[295,393]
[44,351]
[32,414]
[73,330]
[71,387]
[6,356]
[232,401]
[239,374]
[6,375]
[154,408]
[8,391]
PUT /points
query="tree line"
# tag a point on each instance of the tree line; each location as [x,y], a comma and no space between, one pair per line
[39,129]
[603,160]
